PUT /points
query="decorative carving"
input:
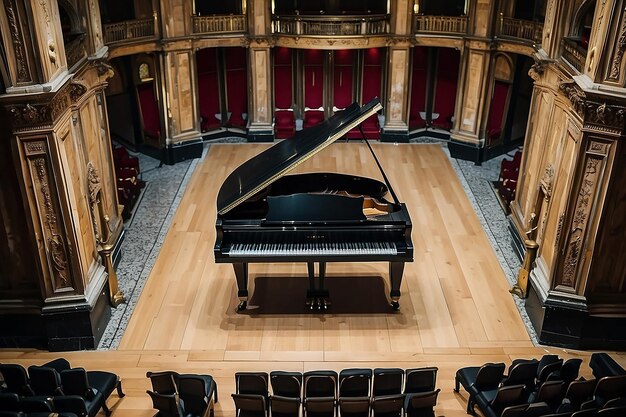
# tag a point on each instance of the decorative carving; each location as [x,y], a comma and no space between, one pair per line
[55,243]
[616,64]
[547,180]
[93,181]
[559,229]
[576,95]
[23,74]
[579,221]
[596,115]
[536,70]
[77,89]
[104,68]
[259,41]
[397,40]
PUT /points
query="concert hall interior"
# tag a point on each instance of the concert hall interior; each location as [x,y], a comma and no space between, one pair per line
[396,183]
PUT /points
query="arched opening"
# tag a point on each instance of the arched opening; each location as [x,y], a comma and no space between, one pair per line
[580,30]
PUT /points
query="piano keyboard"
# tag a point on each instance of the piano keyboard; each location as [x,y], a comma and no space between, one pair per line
[303,249]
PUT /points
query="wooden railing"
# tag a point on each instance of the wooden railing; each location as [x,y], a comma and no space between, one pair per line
[440,24]
[573,53]
[128,30]
[75,51]
[219,24]
[520,29]
[331,25]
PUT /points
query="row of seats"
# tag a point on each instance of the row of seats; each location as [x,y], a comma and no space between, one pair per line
[182,395]
[129,183]
[56,387]
[285,126]
[545,387]
[355,392]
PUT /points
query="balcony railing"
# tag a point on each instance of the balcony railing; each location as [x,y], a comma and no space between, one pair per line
[75,50]
[574,54]
[440,24]
[331,25]
[128,30]
[520,29]
[219,24]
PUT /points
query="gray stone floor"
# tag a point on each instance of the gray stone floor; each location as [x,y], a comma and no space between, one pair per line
[166,185]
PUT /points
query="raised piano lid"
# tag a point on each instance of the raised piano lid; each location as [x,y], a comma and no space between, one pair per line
[265,168]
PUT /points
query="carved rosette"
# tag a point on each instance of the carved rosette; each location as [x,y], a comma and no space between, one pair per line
[596,115]
[49,214]
[616,63]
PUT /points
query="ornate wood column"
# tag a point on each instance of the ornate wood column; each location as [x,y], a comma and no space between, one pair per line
[396,128]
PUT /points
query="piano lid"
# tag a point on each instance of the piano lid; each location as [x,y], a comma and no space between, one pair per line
[265,168]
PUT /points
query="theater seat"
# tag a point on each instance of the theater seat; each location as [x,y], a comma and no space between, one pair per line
[370,126]
[312,118]
[209,123]
[285,126]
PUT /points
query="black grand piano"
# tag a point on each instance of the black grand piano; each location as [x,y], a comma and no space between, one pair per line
[267,216]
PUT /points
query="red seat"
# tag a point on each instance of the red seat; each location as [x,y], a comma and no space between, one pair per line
[122,159]
[371,129]
[209,123]
[312,118]
[507,181]
[285,126]
[237,120]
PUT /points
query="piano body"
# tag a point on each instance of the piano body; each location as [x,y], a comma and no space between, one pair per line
[265,215]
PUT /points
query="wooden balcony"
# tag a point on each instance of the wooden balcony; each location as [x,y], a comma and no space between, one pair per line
[440,24]
[573,53]
[219,24]
[519,29]
[356,25]
[129,30]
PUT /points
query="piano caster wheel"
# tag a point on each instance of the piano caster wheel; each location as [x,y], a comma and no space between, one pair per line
[242,306]
[395,306]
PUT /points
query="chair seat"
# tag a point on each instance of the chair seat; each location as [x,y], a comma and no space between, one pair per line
[467,376]
[104,382]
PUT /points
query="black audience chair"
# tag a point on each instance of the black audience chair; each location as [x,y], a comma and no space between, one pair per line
[493,402]
[252,383]
[564,414]
[612,412]
[284,406]
[387,381]
[545,361]
[45,380]
[602,364]
[77,405]
[550,392]
[592,412]
[577,393]
[250,405]
[9,401]
[76,383]
[420,380]
[36,404]
[355,382]
[522,373]
[421,404]
[59,364]
[354,406]
[527,410]
[319,407]
[388,405]
[320,384]
[476,379]
[16,379]
[568,372]
[616,402]
[196,393]
[164,383]
[543,373]
[167,405]
[286,384]
[608,388]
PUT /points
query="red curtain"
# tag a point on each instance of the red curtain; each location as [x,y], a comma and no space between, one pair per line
[149,109]
[446,87]
[372,73]
[208,88]
[282,78]
[313,78]
[342,78]
[236,85]
[418,87]
[497,108]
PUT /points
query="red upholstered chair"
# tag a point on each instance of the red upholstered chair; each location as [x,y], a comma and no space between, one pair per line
[371,129]
[416,122]
[122,159]
[236,120]
[507,181]
[285,126]
[209,123]
[312,118]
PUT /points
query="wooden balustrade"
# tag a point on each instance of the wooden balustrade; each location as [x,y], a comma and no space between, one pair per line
[75,50]
[440,24]
[128,30]
[520,29]
[573,53]
[219,24]
[331,25]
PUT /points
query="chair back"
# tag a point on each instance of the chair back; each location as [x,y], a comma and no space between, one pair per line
[420,380]
[60,364]
[9,401]
[489,376]
[254,383]
[507,396]
[547,370]
[612,412]
[192,392]
[37,404]
[355,382]
[165,383]
[421,404]
[286,384]
[609,388]
[524,373]
[592,412]
[388,405]
[16,379]
[284,406]
[167,404]
[70,404]
[320,384]
[527,410]
[354,406]
[580,391]
[250,404]
[45,380]
[550,392]
[570,369]
[75,382]
[387,381]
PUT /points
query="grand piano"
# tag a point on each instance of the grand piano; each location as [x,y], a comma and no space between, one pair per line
[267,216]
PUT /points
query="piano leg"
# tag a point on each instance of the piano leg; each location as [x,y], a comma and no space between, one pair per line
[241,273]
[395,280]
[310,298]
[324,298]
[317,298]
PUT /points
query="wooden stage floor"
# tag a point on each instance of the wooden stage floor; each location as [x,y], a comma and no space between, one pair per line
[455,308]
